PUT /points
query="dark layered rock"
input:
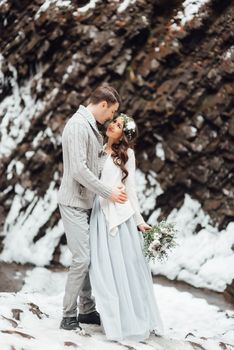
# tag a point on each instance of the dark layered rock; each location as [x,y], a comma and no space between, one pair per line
[230,290]
[175,79]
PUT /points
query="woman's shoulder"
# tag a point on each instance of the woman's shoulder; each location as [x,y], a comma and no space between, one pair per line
[131,157]
[130,152]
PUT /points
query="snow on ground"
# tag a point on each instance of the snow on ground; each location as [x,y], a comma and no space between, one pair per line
[182,314]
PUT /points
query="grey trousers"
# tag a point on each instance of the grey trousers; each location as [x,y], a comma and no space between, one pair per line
[76,226]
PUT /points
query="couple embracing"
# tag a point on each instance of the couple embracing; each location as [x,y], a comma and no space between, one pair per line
[103,225]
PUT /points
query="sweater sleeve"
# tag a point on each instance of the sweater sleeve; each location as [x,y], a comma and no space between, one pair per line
[131,188]
[77,140]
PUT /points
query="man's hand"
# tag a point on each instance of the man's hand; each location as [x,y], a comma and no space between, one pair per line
[119,195]
[144,227]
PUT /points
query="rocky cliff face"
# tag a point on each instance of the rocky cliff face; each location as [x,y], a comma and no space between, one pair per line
[173,64]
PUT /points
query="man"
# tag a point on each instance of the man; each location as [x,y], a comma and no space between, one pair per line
[82,151]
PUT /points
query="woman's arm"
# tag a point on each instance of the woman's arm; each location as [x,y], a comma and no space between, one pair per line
[131,187]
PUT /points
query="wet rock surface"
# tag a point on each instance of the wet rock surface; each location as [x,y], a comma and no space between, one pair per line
[12,276]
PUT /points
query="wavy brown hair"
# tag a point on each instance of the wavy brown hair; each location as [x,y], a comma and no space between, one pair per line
[120,152]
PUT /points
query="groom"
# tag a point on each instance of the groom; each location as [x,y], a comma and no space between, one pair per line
[82,146]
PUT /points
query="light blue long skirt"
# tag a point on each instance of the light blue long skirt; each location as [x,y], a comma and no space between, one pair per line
[121,280]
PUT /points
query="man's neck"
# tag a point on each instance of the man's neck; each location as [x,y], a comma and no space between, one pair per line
[91,109]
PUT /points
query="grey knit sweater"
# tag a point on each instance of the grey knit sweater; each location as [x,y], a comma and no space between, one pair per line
[82,146]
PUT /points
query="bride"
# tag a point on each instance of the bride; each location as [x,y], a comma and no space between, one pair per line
[120,276]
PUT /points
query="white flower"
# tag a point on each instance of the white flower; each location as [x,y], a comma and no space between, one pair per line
[156,242]
[164,230]
[170,233]
[161,240]
[153,250]
[157,235]
[154,247]
[131,125]
[163,248]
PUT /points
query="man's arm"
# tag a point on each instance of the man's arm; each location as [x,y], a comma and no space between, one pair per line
[77,139]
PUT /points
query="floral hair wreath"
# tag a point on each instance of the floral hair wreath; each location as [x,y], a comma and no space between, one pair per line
[129,126]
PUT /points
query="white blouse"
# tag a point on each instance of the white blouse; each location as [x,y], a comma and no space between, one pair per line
[117,213]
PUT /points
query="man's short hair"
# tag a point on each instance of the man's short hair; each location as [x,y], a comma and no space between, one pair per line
[106,93]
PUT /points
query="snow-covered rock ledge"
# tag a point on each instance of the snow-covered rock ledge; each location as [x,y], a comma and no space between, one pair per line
[204,256]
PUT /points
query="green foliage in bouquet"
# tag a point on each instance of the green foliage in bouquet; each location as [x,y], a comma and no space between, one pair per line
[159,240]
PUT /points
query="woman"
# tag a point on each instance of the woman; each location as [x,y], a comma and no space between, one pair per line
[120,276]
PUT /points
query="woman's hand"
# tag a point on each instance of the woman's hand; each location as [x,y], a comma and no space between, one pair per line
[144,227]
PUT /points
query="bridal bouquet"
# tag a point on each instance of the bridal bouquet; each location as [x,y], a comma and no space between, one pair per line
[158,240]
